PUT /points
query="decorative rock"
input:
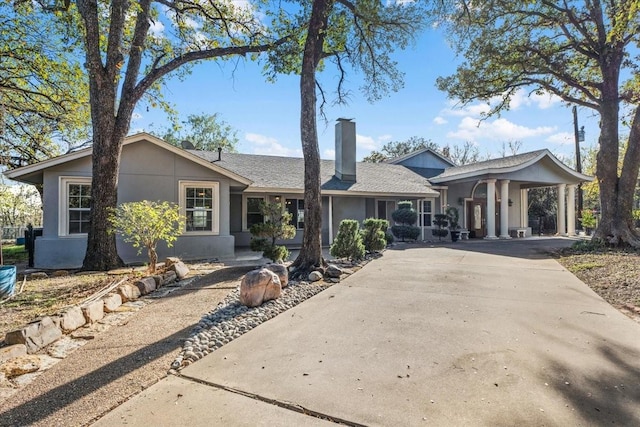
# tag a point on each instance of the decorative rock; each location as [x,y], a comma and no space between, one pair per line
[281,271]
[170,261]
[93,311]
[72,319]
[258,286]
[38,275]
[12,351]
[112,302]
[20,365]
[333,271]
[146,285]
[128,292]
[314,276]
[65,345]
[158,279]
[60,273]
[35,336]
[181,269]
[169,277]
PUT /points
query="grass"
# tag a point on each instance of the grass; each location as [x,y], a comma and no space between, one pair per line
[14,254]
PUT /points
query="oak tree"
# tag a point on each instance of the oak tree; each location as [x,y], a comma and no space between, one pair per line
[581,51]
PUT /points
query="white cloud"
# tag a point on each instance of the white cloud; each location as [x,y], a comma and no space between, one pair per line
[561,138]
[366,142]
[474,110]
[136,116]
[470,129]
[270,146]
[329,154]
[440,121]
[542,101]
[156,28]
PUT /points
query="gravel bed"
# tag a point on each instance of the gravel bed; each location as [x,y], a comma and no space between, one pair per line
[230,319]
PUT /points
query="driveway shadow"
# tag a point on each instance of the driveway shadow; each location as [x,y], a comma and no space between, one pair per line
[529,248]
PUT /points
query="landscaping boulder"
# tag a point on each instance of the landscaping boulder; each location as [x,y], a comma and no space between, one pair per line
[146,285]
[38,275]
[258,286]
[36,335]
[281,271]
[93,311]
[20,365]
[12,351]
[314,276]
[112,302]
[72,319]
[60,273]
[168,278]
[128,292]
[333,271]
[181,269]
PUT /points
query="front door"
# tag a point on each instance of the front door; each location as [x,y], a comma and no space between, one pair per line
[477,218]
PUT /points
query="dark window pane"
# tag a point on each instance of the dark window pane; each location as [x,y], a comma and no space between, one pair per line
[74,227]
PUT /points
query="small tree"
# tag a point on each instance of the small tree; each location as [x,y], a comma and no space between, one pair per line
[588,220]
[441,221]
[145,223]
[348,243]
[405,217]
[373,235]
[276,226]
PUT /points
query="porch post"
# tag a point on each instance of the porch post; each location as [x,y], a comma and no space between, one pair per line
[330,220]
[504,209]
[491,209]
[562,229]
[524,207]
[571,210]
[421,218]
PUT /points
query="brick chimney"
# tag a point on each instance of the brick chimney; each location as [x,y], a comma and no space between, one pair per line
[346,150]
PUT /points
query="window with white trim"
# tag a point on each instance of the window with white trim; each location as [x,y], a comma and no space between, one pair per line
[296,208]
[199,201]
[75,206]
[253,214]
[425,221]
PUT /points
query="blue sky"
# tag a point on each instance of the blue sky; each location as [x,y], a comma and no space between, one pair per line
[266,115]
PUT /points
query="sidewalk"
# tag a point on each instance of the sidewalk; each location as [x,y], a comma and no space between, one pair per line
[488,333]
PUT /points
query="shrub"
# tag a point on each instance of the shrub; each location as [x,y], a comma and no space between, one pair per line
[453,216]
[588,219]
[276,226]
[373,235]
[405,217]
[441,221]
[145,223]
[388,236]
[348,243]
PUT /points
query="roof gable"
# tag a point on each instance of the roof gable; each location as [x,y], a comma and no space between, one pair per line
[506,165]
[425,158]
[23,173]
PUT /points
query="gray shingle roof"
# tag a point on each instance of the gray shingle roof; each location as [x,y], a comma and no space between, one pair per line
[288,173]
[493,164]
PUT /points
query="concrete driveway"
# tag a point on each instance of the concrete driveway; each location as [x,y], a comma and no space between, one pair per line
[477,333]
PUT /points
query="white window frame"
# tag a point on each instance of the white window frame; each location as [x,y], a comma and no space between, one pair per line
[422,212]
[245,205]
[215,209]
[284,209]
[63,204]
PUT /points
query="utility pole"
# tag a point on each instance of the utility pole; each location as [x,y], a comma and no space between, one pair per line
[579,137]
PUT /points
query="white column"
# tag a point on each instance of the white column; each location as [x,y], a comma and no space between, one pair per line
[524,207]
[504,209]
[491,209]
[571,210]
[562,228]
[421,217]
[330,219]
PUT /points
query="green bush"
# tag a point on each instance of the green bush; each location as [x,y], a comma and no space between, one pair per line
[405,217]
[388,236]
[276,226]
[348,242]
[373,234]
[588,219]
[441,221]
[145,223]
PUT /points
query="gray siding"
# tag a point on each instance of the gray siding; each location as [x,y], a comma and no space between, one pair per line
[147,172]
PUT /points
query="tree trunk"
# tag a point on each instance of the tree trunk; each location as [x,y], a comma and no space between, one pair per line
[310,255]
[153,259]
[616,191]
